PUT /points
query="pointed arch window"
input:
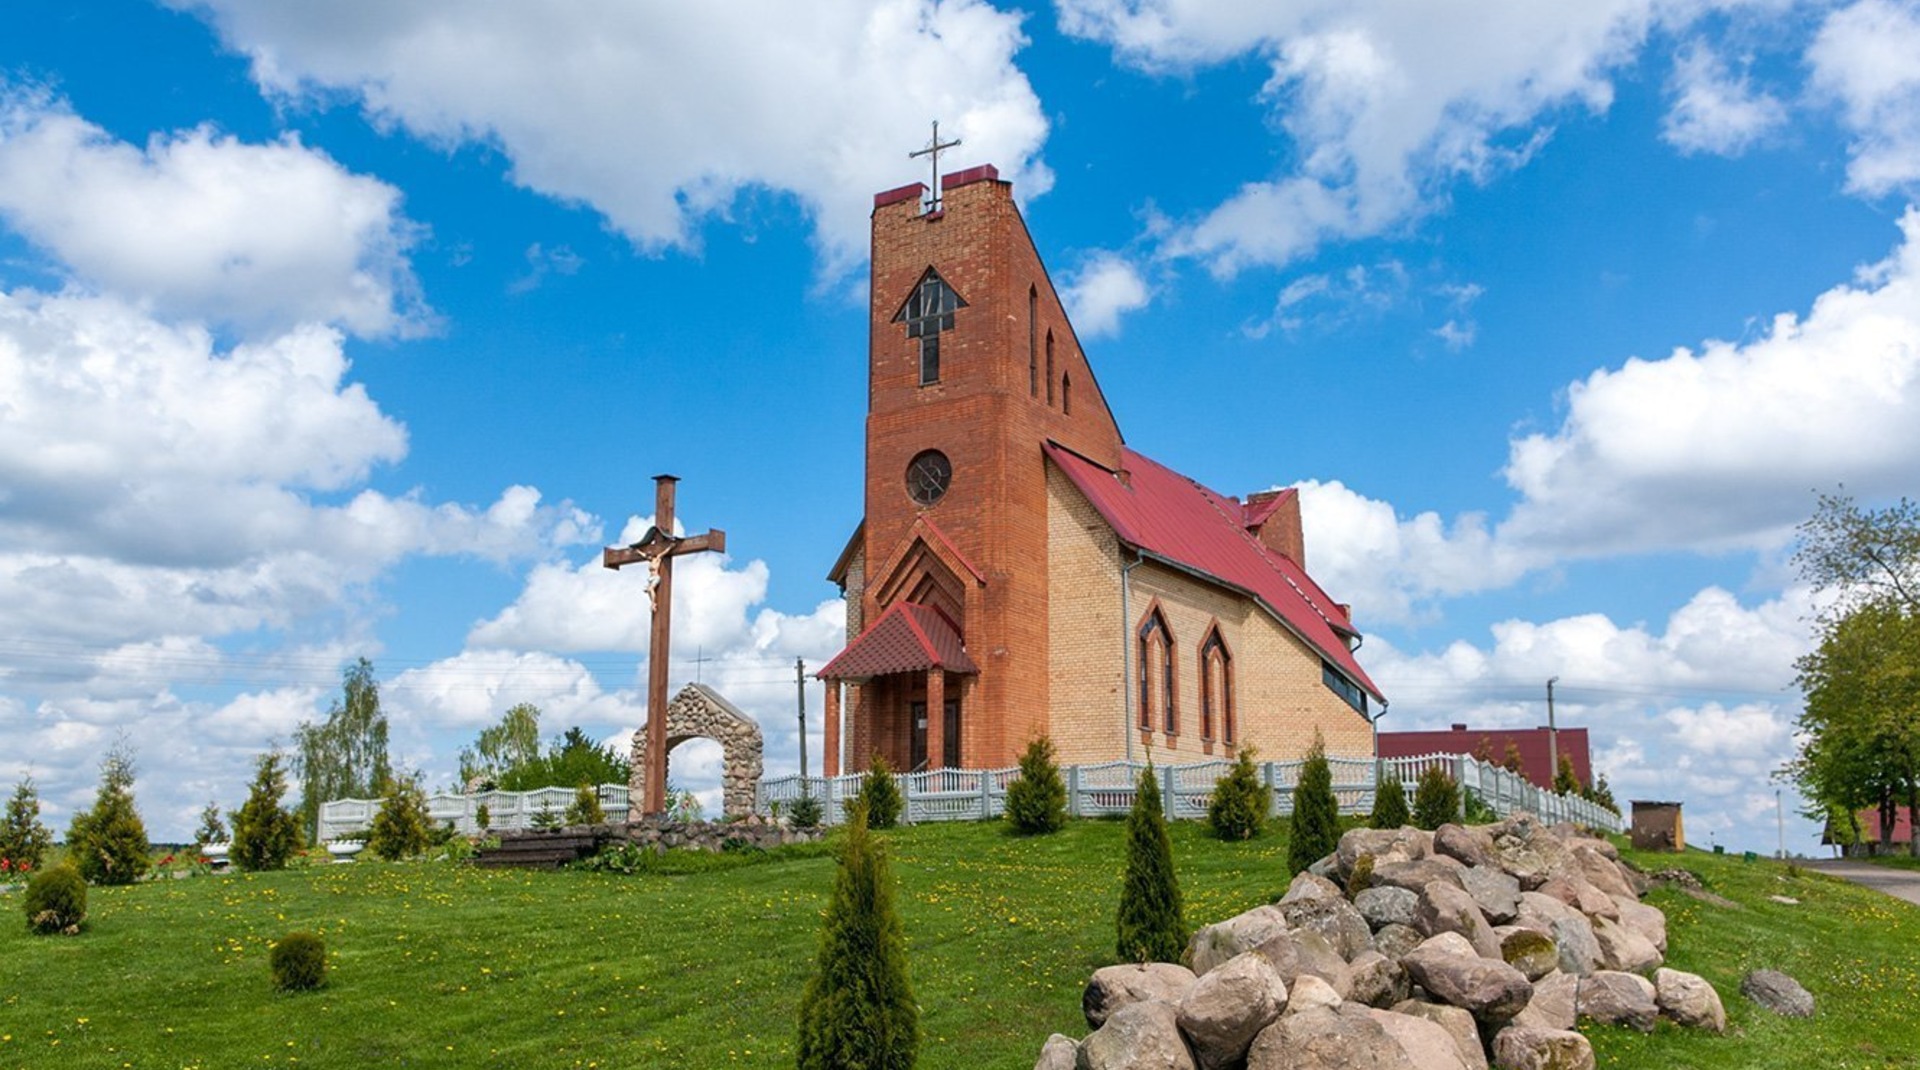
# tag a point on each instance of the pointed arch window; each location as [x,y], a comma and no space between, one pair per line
[927,312]
[1033,342]
[1216,688]
[1049,367]
[1156,675]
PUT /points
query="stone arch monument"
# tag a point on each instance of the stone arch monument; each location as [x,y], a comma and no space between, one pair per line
[699,712]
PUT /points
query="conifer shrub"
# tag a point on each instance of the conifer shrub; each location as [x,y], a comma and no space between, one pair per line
[107,843]
[1037,802]
[56,901]
[805,812]
[881,795]
[1389,805]
[265,834]
[400,829]
[858,1009]
[586,807]
[1150,924]
[1314,830]
[298,962]
[1436,799]
[24,841]
[1240,802]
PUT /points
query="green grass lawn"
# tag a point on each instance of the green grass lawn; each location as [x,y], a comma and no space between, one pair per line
[434,965]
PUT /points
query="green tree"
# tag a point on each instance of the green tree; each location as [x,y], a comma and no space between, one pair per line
[23,839]
[1389,805]
[511,744]
[1037,801]
[1238,809]
[1314,830]
[857,1011]
[345,756]
[586,807]
[1149,923]
[880,792]
[265,833]
[1436,799]
[401,829]
[212,829]
[108,842]
[1565,780]
[1860,727]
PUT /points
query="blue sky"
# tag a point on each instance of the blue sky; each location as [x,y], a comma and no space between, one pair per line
[359,328]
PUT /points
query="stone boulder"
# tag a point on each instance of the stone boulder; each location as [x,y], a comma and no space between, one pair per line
[1530,951]
[1417,874]
[1686,999]
[1333,918]
[1138,1036]
[1615,998]
[1623,949]
[1058,1053]
[1114,987]
[1328,1038]
[1497,893]
[1778,993]
[1446,908]
[1458,1024]
[1519,1048]
[1223,1011]
[1214,944]
[1469,845]
[1488,988]
[1426,1044]
[1404,844]
[1555,1004]
[1303,953]
[1378,981]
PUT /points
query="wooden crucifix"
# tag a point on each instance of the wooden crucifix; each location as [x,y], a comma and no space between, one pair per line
[657,549]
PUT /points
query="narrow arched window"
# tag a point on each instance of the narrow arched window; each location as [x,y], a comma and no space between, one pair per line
[1156,675]
[1049,367]
[1033,342]
[1216,688]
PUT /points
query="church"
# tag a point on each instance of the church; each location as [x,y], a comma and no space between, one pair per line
[1021,572]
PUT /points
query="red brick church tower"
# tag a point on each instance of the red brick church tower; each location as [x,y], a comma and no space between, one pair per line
[979,402]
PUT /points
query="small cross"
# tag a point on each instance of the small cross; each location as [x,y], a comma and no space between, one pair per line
[933,150]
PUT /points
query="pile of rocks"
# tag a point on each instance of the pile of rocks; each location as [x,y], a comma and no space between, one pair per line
[1407,949]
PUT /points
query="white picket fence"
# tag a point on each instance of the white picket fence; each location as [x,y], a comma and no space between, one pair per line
[1185,790]
[345,819]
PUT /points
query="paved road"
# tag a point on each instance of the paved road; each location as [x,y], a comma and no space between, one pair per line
[1903,883]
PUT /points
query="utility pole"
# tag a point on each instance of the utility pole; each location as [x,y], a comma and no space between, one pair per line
[1553,736]
[800,687]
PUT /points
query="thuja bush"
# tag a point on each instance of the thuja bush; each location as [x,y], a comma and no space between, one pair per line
[1436,799]
[1239,805]
[858,1009]
[880,793]
[1389,805]
[56,901]
[1037,802]
[1150,925]
[586,807]
[298,963]
[1314,830]
[400,829]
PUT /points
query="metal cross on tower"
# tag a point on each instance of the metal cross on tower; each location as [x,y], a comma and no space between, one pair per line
[933,150]
[657,548]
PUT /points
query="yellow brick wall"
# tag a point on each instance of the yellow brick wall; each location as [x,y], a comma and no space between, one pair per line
[1279,698]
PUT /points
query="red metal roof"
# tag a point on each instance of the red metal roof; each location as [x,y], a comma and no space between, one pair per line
[1167,516]
[1491,744]
[908,637]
